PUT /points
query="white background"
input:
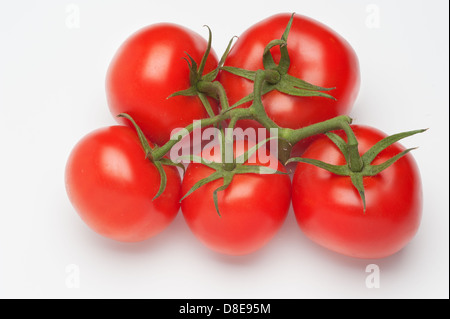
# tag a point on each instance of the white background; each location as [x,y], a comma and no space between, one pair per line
[52,71]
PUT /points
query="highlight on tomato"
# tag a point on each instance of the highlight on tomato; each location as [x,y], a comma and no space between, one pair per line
[112,185]
[151,65]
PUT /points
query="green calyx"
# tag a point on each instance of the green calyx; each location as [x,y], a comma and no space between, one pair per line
[358,167]
[149,154]
[227,171]
[204,85]
[277,77]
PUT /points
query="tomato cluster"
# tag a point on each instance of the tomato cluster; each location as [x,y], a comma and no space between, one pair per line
[354,190]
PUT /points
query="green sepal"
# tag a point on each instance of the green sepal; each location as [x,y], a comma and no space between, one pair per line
[368,169]
[284,82]
[192,91]
[227,178]
[142,138]
[373,170]
[221,171]
[358,182]
[340,143]
[196,75]
[169,162]
[285,61]
[201,67]
[301,84]
[211,76]
[214,176]
[293,88]
[266,88]
[206,104]
[284,37]
[162,174]
[247,74]
[149,155]
[268,61]
[341,170]
[370,155]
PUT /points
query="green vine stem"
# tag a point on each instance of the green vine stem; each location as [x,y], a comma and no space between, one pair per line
[289,137]
[286,137]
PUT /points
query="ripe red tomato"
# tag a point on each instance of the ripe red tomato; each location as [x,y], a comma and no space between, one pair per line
[252,208]
[317,54]
[148,67]
[329,209]
[111,185]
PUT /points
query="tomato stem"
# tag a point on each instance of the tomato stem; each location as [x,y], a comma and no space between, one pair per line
[287,137]
[215,90]
[161,151]
[354,160]
[257,108]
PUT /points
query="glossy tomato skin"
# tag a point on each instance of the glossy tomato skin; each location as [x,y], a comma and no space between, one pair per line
[111,185]
[318,55]
[329,210]
[252,208]
[147,68]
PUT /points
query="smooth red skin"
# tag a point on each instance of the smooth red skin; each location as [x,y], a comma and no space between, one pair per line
[148,67]
[318,55]
[252,208]
[111,185]
[329,210]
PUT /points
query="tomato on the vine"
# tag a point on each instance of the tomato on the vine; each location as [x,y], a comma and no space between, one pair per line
[252,208]
[329,210]
[150,66]
[111,185]
[317,55]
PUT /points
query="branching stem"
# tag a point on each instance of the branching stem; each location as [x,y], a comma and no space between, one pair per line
[287,137]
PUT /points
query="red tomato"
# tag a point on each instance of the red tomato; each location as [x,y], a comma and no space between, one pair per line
[329,210]
[252,208]
[111,186]
[317,54]
[148,67]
